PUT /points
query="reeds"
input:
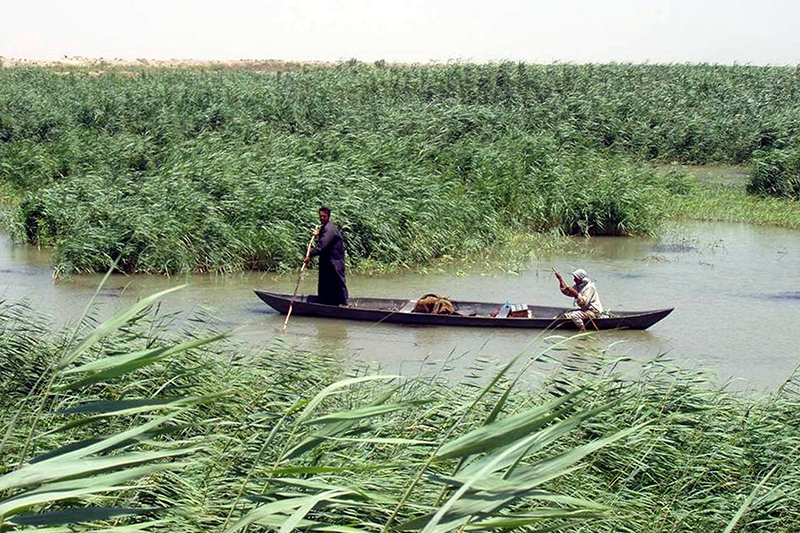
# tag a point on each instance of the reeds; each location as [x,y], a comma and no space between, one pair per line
[138,426]
[776,173]
[172,170]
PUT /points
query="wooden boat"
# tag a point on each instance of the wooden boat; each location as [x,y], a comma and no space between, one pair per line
[478,314]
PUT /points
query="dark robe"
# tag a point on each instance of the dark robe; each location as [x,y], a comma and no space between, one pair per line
[331,289]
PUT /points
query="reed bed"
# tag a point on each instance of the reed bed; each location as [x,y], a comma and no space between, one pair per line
[722,203]
[174,170]
[776,172]
[148,423]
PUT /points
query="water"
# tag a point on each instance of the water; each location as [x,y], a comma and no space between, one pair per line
[734,287]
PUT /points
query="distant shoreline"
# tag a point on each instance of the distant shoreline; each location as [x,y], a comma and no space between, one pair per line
[249,64]
[79,61]
[282,65]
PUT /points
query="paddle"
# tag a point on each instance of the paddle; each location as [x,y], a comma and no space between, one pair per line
[300,277]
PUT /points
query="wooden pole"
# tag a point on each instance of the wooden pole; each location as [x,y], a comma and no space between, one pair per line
[299,279]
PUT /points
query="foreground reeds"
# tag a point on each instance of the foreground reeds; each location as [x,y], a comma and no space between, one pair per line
[131,426]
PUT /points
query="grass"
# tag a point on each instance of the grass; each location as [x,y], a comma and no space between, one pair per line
[140,422]
[721,194]
[735,205]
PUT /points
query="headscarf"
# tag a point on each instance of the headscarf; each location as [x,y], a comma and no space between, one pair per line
[582,277]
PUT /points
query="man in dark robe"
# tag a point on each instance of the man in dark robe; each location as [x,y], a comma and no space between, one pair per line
[331,288]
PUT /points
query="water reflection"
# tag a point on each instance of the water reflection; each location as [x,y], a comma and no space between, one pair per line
[732,286]
[790,295]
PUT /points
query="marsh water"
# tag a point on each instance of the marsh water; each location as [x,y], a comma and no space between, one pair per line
[734,288]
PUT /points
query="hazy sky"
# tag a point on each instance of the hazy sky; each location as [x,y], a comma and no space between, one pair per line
[665,31]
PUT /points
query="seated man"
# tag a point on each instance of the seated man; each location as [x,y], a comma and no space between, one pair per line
[586,298]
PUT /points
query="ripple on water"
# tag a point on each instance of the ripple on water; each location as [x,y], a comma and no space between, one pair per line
[630,276]
[674,248]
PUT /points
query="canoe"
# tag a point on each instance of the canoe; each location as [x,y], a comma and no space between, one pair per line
[473,314]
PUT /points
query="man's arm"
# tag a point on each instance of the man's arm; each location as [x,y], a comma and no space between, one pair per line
[566,290]
[327,239]
[314,234]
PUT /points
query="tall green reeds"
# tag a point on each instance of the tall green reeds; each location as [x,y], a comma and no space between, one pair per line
[131,426]
[776,173]
[172,170]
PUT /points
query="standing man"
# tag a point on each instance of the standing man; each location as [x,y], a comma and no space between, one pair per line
[586,298]
[331,289]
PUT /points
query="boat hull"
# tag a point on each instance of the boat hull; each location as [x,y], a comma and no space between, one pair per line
[475,314]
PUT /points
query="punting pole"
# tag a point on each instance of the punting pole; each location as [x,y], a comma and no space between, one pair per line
[299,280]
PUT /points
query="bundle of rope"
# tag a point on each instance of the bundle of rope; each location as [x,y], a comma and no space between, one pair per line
[435,305]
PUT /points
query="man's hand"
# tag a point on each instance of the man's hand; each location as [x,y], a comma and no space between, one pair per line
[307,260]
[315,233]
[560,279]
[570,291]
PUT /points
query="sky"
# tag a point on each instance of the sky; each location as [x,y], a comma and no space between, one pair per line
[765,32]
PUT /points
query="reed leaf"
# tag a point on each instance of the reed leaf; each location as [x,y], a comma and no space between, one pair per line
[334,388]
[293,521]
[111,326]
[523,480]
[46,471]
[338,426]
[748,502]
[503,432]
[37,472]
[78,488]
[75,516]
[109,408]
[364,412]
[116,366]
[147,525]
[274,513]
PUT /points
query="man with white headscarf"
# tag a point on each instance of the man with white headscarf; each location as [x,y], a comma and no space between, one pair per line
[587,300]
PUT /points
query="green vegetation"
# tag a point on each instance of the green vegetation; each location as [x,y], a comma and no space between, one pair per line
[130,426]
[723,203]
[776,173]
[173,170]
